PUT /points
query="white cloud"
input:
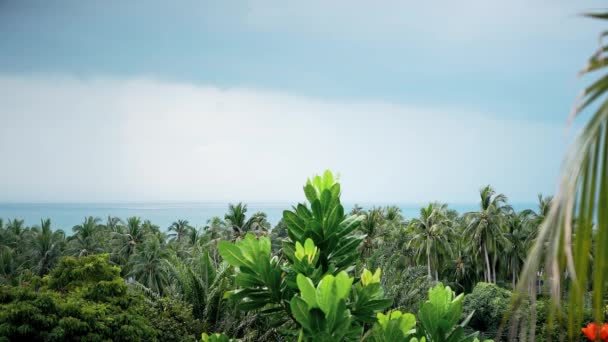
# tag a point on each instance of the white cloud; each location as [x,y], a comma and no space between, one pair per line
[65,139]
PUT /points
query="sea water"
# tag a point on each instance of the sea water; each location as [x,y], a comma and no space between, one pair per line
[66,215]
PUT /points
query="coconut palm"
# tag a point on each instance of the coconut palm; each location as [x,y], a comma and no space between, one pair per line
[148,265]
[84,240]
[216,228]
[485,228]
[258,222]
[237,219]
[14,231]
[9,267]
[518,231]
[578,210]
[372,227]
[180,229]
[114,224]
[125,242]
[44,247]
[431,235]
[150,227]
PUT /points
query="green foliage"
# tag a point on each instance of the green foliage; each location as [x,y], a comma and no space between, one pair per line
[94,307]
[312,286]
[272,284]
[440,316]
[395,326]
[488,303]
[259,275]
[172,319]
[322,312]
[215,338]
[73,272]
[325,223]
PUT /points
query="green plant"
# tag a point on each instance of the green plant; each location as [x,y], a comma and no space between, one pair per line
[487,304]
[311,288]
[395,326]
[440,314]
[216,338]
[80,300]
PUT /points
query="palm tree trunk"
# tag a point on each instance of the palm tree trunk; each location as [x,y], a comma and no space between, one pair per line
[513,279]
[494,270]
[436,275]
[428,264]
[488,267]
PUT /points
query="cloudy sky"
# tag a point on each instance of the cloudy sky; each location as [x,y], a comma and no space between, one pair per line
[229,100]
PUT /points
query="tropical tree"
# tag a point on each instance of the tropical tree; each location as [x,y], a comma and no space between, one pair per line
[125,242]
[486,228]
[180,230]
[148,266]
[518,230]
[237,219]
[372,226]
[216,228]
[431,233]
[114,224]
[44,247]
[14,231]
[84,240]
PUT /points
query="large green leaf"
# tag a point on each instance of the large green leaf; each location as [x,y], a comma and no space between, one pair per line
[232,254]
[307,291]
[299,310]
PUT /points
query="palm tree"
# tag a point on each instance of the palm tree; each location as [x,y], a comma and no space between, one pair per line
[126,242]
[13,233]
[181,228]
[485,228]
[535,219]
[216,229]
[150,227]
[237,219]
[578,210]
[84,241]
[431,235]
[518,232]
[114,224]
[258,222]
[148,265]
[372,226]
[194,236]
[44,247]
[8,265]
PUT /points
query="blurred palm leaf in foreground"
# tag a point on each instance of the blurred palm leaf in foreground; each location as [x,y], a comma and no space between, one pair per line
[579,212]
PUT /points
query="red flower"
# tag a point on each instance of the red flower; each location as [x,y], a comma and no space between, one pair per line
[604,332]
[591,331]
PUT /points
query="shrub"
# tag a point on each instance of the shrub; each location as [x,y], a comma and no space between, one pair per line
[488,303]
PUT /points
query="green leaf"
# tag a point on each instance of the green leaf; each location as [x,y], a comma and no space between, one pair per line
[343,283]
[310,192]
[307,290]
[231,254]
[327,295]
[299,310]
[328,179]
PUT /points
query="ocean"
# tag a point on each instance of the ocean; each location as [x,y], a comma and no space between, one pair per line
[66,215]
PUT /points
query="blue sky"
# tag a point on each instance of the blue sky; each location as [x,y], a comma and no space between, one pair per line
[230,100]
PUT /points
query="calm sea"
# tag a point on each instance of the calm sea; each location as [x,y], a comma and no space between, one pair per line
[67,215]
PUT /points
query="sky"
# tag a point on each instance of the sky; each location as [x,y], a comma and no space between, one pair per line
[119,101]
